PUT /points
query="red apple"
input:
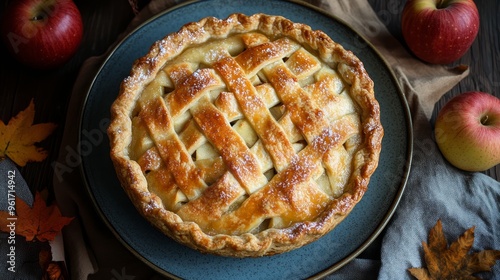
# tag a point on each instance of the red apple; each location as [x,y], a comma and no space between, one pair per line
[439,31]
[467,131]
[42,33]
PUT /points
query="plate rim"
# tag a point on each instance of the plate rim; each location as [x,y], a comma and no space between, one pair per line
[317,275]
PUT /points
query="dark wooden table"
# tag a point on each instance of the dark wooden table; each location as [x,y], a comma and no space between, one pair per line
[51,90]
[483,58]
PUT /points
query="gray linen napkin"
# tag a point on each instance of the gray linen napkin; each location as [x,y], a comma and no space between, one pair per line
[94,253]
[435,190]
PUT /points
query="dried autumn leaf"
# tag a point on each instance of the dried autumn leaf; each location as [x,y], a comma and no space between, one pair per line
[54,272]
[454,261]
[18,137]
[5,216]
[39,222]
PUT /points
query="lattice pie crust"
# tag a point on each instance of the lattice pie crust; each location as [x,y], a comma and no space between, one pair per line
[248,136]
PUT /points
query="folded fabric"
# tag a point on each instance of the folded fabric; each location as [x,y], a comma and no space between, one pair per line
[94,253]
[435,190]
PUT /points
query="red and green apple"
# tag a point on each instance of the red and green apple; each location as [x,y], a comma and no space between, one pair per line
[467,131]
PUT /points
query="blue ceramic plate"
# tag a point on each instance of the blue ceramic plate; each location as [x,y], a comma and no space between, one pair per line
[320,258]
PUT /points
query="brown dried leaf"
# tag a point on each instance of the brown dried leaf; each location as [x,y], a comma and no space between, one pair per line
[5,216]
[453,262]
[420,273]
[54,272]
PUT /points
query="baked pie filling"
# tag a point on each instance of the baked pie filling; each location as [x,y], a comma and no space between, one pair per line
[247,136]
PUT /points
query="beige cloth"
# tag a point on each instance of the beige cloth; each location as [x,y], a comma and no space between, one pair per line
[92,252]
[418,80]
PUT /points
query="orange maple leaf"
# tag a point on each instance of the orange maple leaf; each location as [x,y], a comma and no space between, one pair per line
[39,222]
[18,137]
[52,270]
[453,262]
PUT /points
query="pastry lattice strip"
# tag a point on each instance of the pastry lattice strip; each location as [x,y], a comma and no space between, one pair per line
[278,146]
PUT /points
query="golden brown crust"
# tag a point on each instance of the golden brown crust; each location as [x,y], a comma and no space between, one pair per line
[224,204]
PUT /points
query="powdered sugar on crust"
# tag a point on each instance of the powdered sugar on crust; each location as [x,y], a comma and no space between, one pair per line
[245,136]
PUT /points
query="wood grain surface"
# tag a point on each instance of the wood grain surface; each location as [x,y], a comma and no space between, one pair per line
[483,58]
[51,89]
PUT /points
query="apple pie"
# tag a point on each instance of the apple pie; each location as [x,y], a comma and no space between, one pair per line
[246,136]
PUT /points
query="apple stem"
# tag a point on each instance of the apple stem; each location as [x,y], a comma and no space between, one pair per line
[484,120]
[441,4]
[37,17]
